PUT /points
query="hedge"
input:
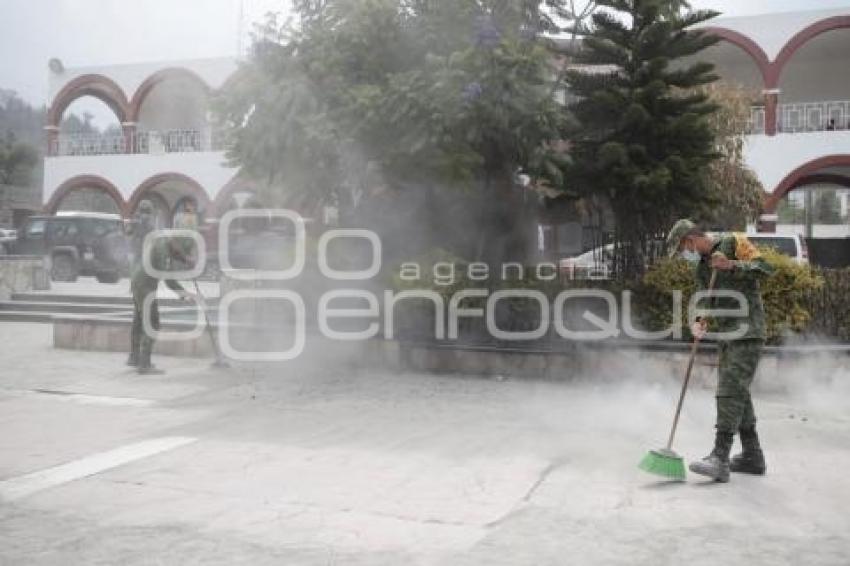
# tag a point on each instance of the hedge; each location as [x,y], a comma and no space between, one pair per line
[799,300]
[787,294]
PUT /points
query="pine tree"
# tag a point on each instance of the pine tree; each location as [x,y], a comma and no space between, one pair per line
[642,139]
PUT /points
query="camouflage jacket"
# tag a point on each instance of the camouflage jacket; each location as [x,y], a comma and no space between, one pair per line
[750,269]
[141,282]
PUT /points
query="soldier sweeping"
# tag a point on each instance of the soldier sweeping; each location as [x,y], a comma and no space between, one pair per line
[740,268]
[143,285]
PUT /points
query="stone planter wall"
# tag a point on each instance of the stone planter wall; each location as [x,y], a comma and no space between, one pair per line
[22,273]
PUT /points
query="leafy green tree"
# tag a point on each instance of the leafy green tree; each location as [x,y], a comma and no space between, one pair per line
[19,163]
[827,208]
[358,100]
[790,212]
[733,185]
[26,122]
[643,139]
[21,119]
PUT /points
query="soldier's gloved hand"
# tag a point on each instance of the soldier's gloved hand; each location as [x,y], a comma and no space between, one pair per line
[721,263]
[699,329]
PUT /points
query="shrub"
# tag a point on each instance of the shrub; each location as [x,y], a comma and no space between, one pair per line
[787,294]
[830,306]
[797,298]
[654,295]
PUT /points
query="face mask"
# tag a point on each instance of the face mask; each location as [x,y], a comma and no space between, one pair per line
[691,256]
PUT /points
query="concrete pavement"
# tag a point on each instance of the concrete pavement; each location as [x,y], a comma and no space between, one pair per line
[313,464]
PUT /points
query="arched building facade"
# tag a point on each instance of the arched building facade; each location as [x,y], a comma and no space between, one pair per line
[165,149]
[800,134]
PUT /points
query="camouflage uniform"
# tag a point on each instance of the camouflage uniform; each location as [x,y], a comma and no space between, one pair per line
[739,358]
[143,285]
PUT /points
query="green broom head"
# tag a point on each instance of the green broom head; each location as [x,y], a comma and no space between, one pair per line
[665,463]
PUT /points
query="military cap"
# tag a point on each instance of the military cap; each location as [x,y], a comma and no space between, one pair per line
[680,229]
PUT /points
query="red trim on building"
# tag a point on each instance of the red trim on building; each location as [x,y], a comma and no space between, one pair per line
[799,40]
[98,86]
[808,173]
[771,71]
[129,131]
[749,47]
[824,179]
[761,60]
[771,112]
[85,182]
[194,189]
[135,106]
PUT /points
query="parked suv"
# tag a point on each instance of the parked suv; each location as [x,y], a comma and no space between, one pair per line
[794,246]
[77,244]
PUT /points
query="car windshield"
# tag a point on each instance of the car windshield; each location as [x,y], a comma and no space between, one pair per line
[100,228]
[596,254]
[36,228]
[786,246]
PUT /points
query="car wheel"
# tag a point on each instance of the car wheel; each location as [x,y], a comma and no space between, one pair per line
[64,268]
[108,277]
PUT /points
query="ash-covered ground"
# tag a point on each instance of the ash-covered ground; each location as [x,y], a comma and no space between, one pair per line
[314,464]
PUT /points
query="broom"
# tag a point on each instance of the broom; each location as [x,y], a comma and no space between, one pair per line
[664,461]
[219,359]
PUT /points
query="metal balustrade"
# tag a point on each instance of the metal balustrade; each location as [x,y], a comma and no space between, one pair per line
[798,117]
[89,144]
[758,120]
[813,116]
[150,142]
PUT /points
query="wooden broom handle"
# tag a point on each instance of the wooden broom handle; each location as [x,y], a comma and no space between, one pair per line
[694,350]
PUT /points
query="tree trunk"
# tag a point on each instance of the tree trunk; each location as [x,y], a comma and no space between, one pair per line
[507,221]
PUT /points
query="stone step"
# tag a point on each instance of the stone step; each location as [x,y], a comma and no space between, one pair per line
[55,298]
[36,297]
[62,307]
[25,316]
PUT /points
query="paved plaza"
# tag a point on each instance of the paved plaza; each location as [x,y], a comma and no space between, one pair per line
[311,464]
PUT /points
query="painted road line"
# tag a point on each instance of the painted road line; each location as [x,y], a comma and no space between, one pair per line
[104,400]
[23,486]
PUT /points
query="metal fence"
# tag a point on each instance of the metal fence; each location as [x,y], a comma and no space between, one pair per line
[758,120]
[831,115]
[153,142]
[89,144]
[814,116]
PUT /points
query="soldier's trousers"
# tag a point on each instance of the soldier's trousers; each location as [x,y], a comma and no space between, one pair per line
[141,344]
[739,360]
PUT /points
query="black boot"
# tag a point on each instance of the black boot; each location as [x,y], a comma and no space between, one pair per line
[133,359]
[145,367]
[716,464]
[149,369]
[751,460]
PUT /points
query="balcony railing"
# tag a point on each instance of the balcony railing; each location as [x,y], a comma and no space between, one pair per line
[151,142]
[832,115]
[758,120]
[89,144]
[813,116]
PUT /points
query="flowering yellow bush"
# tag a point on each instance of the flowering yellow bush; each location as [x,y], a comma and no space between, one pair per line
[786,294]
